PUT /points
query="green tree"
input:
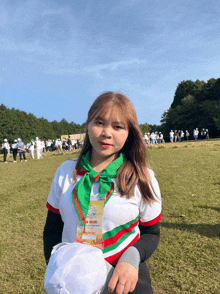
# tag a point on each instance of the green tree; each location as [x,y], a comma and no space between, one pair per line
[210,90]
[183,89]
[57,131]
[199,90]
[65,127]
[145,128]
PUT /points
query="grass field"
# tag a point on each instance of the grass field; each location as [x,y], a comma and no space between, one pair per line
[188,257]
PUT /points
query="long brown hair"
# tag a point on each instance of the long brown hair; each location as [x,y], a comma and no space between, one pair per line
[134,170]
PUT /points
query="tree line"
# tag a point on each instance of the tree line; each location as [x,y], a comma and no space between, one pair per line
[15,124]
[195,105]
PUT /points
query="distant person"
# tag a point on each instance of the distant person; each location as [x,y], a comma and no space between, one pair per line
[48,144]
[69,142]
[203,134]
[73,143]
[179,136]
[175,136]
[161,138]
[64,145]
[38,148]
[171,136]
[31,148]
[196,134]
[207,134]
[21,150]
[53,146]
[5,150]
[146,139]
[153,138]
[182,135]
[77,143]
[187,135]
[157,138]
[59,145]
[14,147]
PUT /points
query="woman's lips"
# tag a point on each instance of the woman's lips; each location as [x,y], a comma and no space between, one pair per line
[104,145]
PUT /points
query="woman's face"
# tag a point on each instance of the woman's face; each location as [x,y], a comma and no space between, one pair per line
[107,136]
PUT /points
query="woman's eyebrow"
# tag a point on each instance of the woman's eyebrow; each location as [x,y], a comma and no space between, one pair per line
[116,122]
[119,123]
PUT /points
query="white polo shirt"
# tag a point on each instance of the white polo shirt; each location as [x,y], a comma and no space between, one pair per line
[121,216]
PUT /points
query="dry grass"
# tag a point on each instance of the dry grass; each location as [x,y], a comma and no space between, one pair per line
[187,259]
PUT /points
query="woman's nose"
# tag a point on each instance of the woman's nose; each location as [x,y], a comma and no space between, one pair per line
[106,132]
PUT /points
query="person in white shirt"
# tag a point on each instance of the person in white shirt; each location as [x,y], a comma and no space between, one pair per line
[73,143]
[59,145]
[5,150]
[161,138]
[106,171]
[146,139]
[182,135]
[152,138]
[31,148]
[171,136]
[196,134]
[157,137]
[48,146]
[38,147]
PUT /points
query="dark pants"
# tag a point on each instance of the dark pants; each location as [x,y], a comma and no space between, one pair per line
[143,285]
[22,153]
[15,152]
[5,152]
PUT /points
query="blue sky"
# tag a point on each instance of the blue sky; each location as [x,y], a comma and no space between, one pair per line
[56,57]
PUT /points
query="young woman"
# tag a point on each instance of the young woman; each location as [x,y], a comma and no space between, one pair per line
[111,166]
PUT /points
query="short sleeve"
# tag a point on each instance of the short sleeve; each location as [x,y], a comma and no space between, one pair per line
[150,214]
[55,192]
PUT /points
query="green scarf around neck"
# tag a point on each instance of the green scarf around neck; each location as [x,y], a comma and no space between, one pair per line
[82,190]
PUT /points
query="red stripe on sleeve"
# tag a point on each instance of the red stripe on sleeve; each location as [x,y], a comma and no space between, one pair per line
[51,208]
[152,222]
[114,258]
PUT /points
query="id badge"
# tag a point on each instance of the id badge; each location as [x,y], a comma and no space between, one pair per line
[91,234]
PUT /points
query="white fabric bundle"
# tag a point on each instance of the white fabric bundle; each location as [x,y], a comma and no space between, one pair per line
[75,268]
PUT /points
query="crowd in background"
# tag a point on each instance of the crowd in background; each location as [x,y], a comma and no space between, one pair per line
[179,136]
[36,147]
[153,138]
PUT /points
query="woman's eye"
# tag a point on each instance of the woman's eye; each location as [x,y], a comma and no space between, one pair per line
[118,127]
[98,122]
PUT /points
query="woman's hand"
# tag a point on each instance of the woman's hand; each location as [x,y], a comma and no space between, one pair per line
[124,278]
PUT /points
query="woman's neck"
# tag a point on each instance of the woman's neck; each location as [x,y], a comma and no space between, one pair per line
[99,163]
